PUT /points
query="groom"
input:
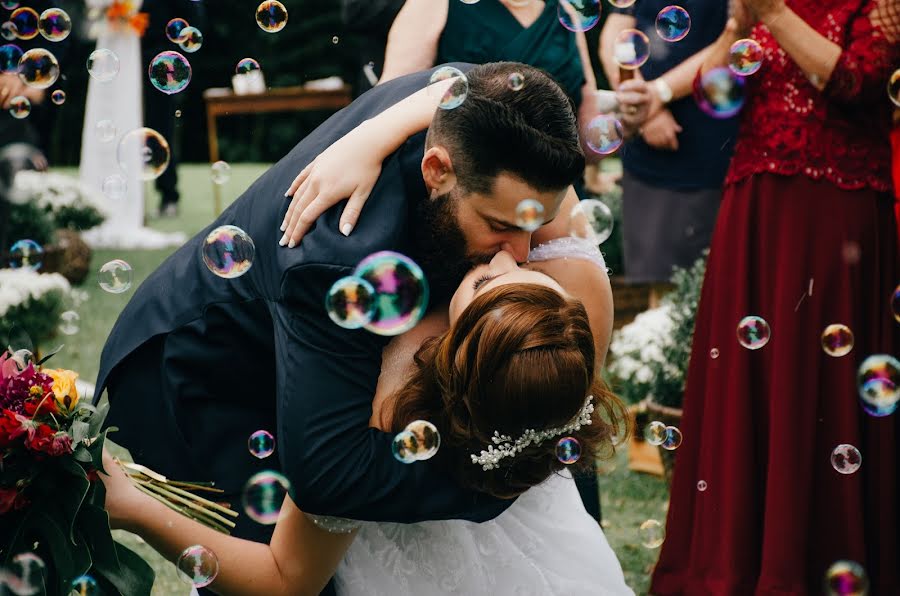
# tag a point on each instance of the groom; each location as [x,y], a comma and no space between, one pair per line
[195,363]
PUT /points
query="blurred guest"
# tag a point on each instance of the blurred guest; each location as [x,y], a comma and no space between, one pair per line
[762,501]
[371,20]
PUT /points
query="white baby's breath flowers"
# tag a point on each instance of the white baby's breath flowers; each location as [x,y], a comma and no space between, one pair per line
[18,286]
[54,191]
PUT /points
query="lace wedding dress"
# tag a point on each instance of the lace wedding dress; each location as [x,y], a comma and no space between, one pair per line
[545,544]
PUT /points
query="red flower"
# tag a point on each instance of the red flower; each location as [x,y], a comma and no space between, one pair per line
[44,406]
[11,427]
[11,500]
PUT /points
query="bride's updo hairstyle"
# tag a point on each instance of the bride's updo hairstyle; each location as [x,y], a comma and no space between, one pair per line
[521,356]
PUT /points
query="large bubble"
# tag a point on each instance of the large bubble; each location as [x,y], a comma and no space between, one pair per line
[228,252]
[878,380]
[652,534]
[631,49]
[261,444]
[271,16]
[655,433]
[10,54]
[116,276]
[456,94]
[54,24]
[846,459]
[837,340]
[401,292]
[745,57]
[198,565]
[604,134]
[26,254]
[103,65]
[351,302]
[192,40]
[26,21]
[720,93]
[578,15]
[38,68]
[143,152]
[170,72]
[753,332]
[264,495]
[592,220]
[529,215]
[846,578]
[175,29]
[673,23]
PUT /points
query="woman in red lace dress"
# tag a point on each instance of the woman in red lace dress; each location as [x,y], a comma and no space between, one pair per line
[806,237]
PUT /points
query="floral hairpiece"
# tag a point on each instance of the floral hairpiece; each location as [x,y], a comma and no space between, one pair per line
[505,447]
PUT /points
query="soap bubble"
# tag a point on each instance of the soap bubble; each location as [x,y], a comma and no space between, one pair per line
[10,54]
[673,439]
[655,433]
[720,93]
[103,65]
[69,322]
[116,276]
[19,107]
[169,72]
[198,566]
[893,87]
[592,220]
[271,16]
[351,302]
[846,578]
[192,40]
[8,31]
[878,380]
[264,495]
[895,304]
[84,585]
[714,353]
[30,569]
[246,65]
[175,30]
[568,450]
[578,15]
[745,57]
[401,292]
[652,534]
[26,254]
[38,68]
[335,40]
[702,486]
[151,148]
[26,21]
[9,4]
[673,23]
[516,81]
[54,24]
[220,172]
[58,97]
[753,332]
[261,444]
[106,130]
[622,3]
[631,49]
[228,252]
[334,525]
[427,439]
[604,134]
[458,91]
[846,459]
[404,447]
[837,340]
[114,187]
[529,215]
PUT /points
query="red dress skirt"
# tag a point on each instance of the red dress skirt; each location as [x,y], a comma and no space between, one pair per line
[760,425]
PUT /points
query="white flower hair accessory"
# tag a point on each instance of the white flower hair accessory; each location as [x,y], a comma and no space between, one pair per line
[505,447]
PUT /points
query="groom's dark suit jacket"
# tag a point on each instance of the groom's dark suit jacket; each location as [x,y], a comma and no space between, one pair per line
[196,363]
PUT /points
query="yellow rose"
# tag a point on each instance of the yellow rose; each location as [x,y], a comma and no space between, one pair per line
[64,387]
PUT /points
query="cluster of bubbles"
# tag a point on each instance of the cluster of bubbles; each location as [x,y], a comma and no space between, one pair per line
[568,450]
[673,23]
[846,578]
[456,94]
[261,444]
[631,49]
[116,276]
[271,16]
[846,459]
[720,93]
[151,150]
[652,534]
[837,340]
[334,525]
[220,172]
[420,440]
[591,220]
[745,57]
[26,254]
[228,251]
[197,566]
[604,134]
[69,322]
[658,434]
[169,72]
[878,380]
[103,65]
[578,15]
[263,496]
[529,214]
[753,332]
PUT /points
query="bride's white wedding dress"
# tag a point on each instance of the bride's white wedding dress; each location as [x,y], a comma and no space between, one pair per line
[544,544]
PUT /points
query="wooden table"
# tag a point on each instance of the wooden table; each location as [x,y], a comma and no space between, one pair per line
[224,102]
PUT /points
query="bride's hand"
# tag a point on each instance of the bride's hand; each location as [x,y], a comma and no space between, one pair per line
[348,168]
[121,495]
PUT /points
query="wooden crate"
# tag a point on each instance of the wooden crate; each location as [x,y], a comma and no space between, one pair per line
[628,300]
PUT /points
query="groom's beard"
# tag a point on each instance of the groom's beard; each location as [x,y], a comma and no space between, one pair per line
[441,246]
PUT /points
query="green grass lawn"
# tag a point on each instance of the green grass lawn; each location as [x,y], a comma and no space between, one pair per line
[628,499]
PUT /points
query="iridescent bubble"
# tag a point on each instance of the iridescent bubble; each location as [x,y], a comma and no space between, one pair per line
[622,3]
[169,72]
[893,87]
[673,439]
[702,486]
[264,495]
[246,65]
[335,40]
[38,68]
[103,65]
[568,450]
[846,578]
[9,4]
[631,49]
[604,134]
[175,30]
[10,54]
[114,187]
[592,220]
[529,215]
[334,525]
[228,252]
[85,585]
[116,276]
[846,459]
[198,565]
[753,332]
[720,93]
[192,40]
[271,16]
[58,97]
[106,131]
[745,57]
[69,322]
[578,15]
[351,302]
[19,107]
[404,447]
[655,433]
[151,148]
[714,353]
[54,24]
[8,31]
[895,304]
[652,534]
[428,439]
[878,380]
[458,91]
[837,340]
[26,21]
[220,172]
[26,254]
[673,23]
[401,292]
[516,81]
[29,568]
[261,444]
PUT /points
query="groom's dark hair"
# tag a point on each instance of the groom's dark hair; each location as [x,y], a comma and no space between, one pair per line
[526,130]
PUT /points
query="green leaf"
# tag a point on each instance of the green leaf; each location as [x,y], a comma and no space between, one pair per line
[97,419]
[93,523]
[80,430]
[53,535]
[50,354]
[75,489]
[83,455]
[132,577]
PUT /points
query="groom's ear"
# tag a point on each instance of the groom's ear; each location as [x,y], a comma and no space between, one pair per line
[437,170]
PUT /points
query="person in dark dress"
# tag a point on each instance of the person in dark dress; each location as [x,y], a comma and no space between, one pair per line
[370,21]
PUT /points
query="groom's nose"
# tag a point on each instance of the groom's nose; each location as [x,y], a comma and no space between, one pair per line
[518,247]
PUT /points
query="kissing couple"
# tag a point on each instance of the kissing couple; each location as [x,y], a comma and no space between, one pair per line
[504,364]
